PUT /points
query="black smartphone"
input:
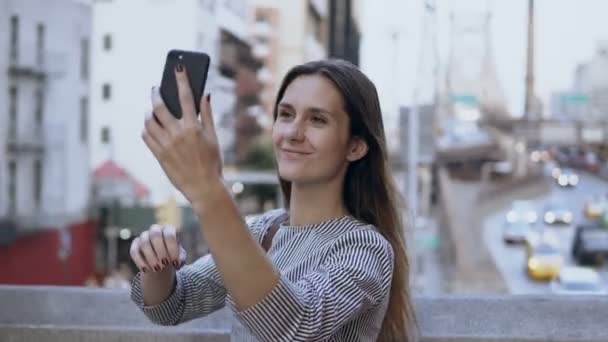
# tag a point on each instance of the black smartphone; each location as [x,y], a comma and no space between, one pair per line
[197,68]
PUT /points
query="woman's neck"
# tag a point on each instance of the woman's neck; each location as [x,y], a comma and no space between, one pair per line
[314,203]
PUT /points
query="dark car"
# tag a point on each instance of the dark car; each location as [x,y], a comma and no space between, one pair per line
[590,245]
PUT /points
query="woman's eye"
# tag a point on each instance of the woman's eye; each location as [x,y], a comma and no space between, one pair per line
[284,114]
[319,119]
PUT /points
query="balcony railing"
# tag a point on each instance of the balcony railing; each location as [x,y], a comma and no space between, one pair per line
[80,314]
[31,65]
[33,142]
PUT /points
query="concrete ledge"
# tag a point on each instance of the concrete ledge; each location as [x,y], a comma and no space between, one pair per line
[29,314]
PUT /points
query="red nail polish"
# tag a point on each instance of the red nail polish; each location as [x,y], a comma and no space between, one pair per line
[157,268]
[179,67]
[175,263]
[145,270]
[208,97]
[165,262]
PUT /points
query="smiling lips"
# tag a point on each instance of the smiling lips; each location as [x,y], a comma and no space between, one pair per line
[293,153]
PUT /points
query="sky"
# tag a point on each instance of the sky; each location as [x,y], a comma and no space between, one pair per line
[567,32]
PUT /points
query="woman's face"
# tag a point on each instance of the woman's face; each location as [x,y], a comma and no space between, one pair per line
[311,134]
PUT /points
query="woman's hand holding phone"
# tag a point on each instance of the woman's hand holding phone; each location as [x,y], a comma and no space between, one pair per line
[187,149]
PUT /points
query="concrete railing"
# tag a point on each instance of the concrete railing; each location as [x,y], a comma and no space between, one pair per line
[29,314]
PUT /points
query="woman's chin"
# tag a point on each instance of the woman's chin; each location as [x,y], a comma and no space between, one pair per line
[288,177]
[291,175]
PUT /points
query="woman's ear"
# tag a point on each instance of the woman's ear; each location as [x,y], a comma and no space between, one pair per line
[357,149]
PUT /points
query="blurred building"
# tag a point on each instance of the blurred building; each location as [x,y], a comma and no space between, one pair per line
[44,144]
[344,33]
[568,105]
[590,89]
[283,37]
[129,52]
[426,133]
[44,149]
[113,184]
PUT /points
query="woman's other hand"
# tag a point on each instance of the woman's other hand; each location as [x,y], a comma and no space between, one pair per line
[156,249]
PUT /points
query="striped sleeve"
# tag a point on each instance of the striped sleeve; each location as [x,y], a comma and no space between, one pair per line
[354,278]
[198,291]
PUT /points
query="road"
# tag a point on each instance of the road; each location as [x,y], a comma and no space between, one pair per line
[510,260]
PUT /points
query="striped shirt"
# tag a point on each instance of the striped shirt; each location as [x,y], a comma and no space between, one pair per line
[334,285]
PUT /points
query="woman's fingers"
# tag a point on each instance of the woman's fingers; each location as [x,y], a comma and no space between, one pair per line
[207,116]
[148,251]
[170,238]
[158,133]
[160,110]
[186,100]
[158,244]
[137,257]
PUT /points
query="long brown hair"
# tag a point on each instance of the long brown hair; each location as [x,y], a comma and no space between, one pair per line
[370,194]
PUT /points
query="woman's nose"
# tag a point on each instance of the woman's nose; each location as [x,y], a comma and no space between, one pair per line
[295,130]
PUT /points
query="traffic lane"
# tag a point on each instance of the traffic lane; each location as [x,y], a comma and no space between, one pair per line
[510,260]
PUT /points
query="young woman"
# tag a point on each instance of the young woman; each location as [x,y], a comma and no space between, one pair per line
[336,269]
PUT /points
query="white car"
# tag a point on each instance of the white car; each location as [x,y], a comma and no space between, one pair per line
[522,211]
[557,212]
[515,232]
[578,281]
[566,177]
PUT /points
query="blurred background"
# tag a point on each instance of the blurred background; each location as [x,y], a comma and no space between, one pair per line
[495,113]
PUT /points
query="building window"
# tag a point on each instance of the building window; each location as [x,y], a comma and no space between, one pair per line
[105,135]
[107,42]
[39,107]
[12,112]
[12,187]
[40,44]
[84,59]
[37,181]
[106,91]
[14,49]
[84,119]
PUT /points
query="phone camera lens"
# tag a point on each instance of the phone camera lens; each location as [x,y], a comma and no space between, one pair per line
[180,57]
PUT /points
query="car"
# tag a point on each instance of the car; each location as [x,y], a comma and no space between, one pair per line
[557,212]
[578,281]
[540,155]
[543,256]
[555,171]
[587,161]
[522,211]
[515,232]
[566,177]
[595,206]
[590,245]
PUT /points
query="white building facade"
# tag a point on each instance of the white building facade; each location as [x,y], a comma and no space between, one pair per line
[130,42]
[44,101]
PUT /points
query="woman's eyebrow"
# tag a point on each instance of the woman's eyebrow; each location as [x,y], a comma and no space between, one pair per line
[315,110]
[318,110]
[286,105]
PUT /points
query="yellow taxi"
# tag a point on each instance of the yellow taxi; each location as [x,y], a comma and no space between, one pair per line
[544,259]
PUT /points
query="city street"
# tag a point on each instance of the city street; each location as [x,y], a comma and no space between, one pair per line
[510,259]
